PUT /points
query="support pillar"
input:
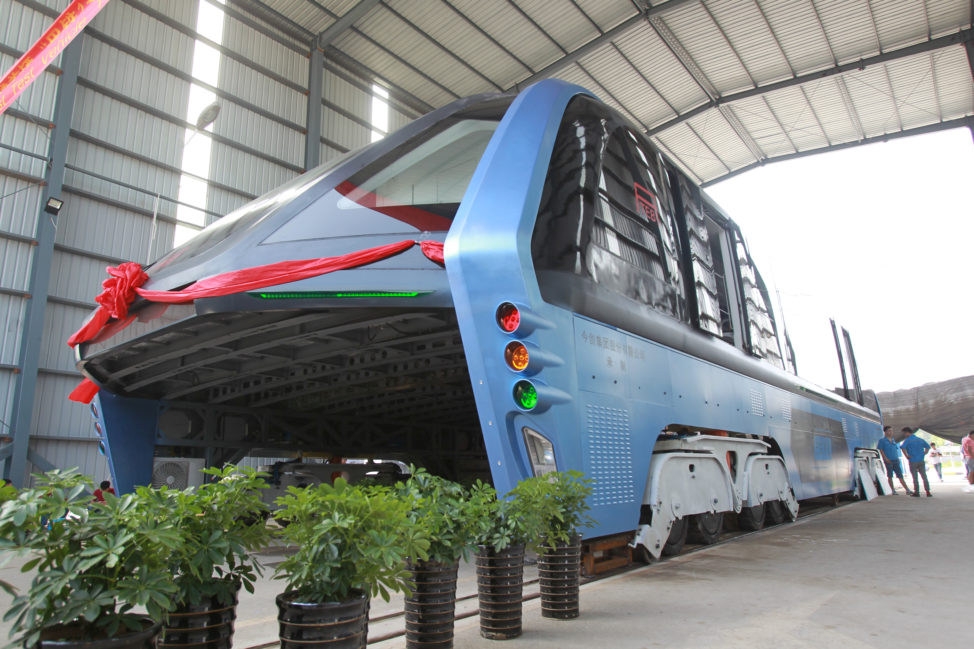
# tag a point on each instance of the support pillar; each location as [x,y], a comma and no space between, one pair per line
[129,435]
[40,271]
[312,143]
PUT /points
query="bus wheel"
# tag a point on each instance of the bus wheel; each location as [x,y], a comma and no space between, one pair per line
[677,538]
[775,512]
[705,528]
[751,518]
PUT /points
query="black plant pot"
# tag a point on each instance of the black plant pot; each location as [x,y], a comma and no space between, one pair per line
[207,625]
[328,625]
[431,608]
[500,584]
[558,570]
[68,637]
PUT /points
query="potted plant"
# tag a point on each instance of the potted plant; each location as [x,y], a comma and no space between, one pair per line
[222,524]
[442,510]
[503,528]
[351,543]
[558,500]
[94,564]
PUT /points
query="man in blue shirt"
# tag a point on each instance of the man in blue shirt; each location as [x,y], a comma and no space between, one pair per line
[891,458]
[914,449]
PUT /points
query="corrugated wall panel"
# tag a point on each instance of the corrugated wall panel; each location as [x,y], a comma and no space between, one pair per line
[328,153]
[265,51]
[76,278]
[112,121]
[22,25]
[122,171]
[181,11]
[606,14]
[913,90]
[244,171]
[68,453]
[794,112]
[649,53]
[245,127]
[700,159]
[619,79]
[12,320]
[751,39]
[397,120]
[761,123]
[387,29]
[901,22]
[515,34]
[806,48]
[344,131]
[126,23]
[261,91]
[376,59]
[133,78]
[714,130]
[700,37]
[20,206]
[826,102]
[103,229]
[848,26]
[349,96]
[7,386]
[15,259]
[490,59]
[954,82]
[25,136]
[945,16]
[869,90]
[60,321]
[223,202]
[568,26]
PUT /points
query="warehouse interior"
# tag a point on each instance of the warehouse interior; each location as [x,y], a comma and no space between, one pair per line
[164,115]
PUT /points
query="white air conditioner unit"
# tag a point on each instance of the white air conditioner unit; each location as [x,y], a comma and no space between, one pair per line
[177,472]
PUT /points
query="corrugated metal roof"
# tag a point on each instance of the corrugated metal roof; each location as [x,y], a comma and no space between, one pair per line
[674,64]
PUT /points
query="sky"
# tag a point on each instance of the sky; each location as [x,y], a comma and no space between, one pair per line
[879,237]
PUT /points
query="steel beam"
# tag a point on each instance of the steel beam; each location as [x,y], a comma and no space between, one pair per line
[312,140]
[598,42]
[930,128]
[349,18]
[964,36]
[40,271]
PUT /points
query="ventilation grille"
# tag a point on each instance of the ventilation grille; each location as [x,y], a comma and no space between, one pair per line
[610,455]
[786,409]
[757,403]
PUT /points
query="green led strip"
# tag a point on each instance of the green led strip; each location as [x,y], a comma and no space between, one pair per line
[317,295]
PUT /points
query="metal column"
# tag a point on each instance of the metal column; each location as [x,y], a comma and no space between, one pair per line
[40,271]
[312,143]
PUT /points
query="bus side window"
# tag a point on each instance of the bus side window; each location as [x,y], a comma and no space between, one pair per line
[706,265]
[761,325]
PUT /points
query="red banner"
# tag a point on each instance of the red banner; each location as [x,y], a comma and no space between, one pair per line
[30,66]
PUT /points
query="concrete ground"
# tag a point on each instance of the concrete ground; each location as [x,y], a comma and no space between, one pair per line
[893,572]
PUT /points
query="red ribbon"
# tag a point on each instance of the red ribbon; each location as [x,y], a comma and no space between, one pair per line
[126,279]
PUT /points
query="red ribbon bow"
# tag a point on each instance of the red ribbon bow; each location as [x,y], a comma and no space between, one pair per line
[126,278]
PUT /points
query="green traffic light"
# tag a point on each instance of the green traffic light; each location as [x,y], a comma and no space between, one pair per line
[525,395]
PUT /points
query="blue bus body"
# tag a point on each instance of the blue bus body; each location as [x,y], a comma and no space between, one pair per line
[611,368]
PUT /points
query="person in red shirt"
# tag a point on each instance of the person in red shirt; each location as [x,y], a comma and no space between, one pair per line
[967,450]
[104,488]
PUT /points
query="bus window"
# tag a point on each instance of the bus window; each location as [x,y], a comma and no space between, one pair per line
[757,304]
[604,236]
